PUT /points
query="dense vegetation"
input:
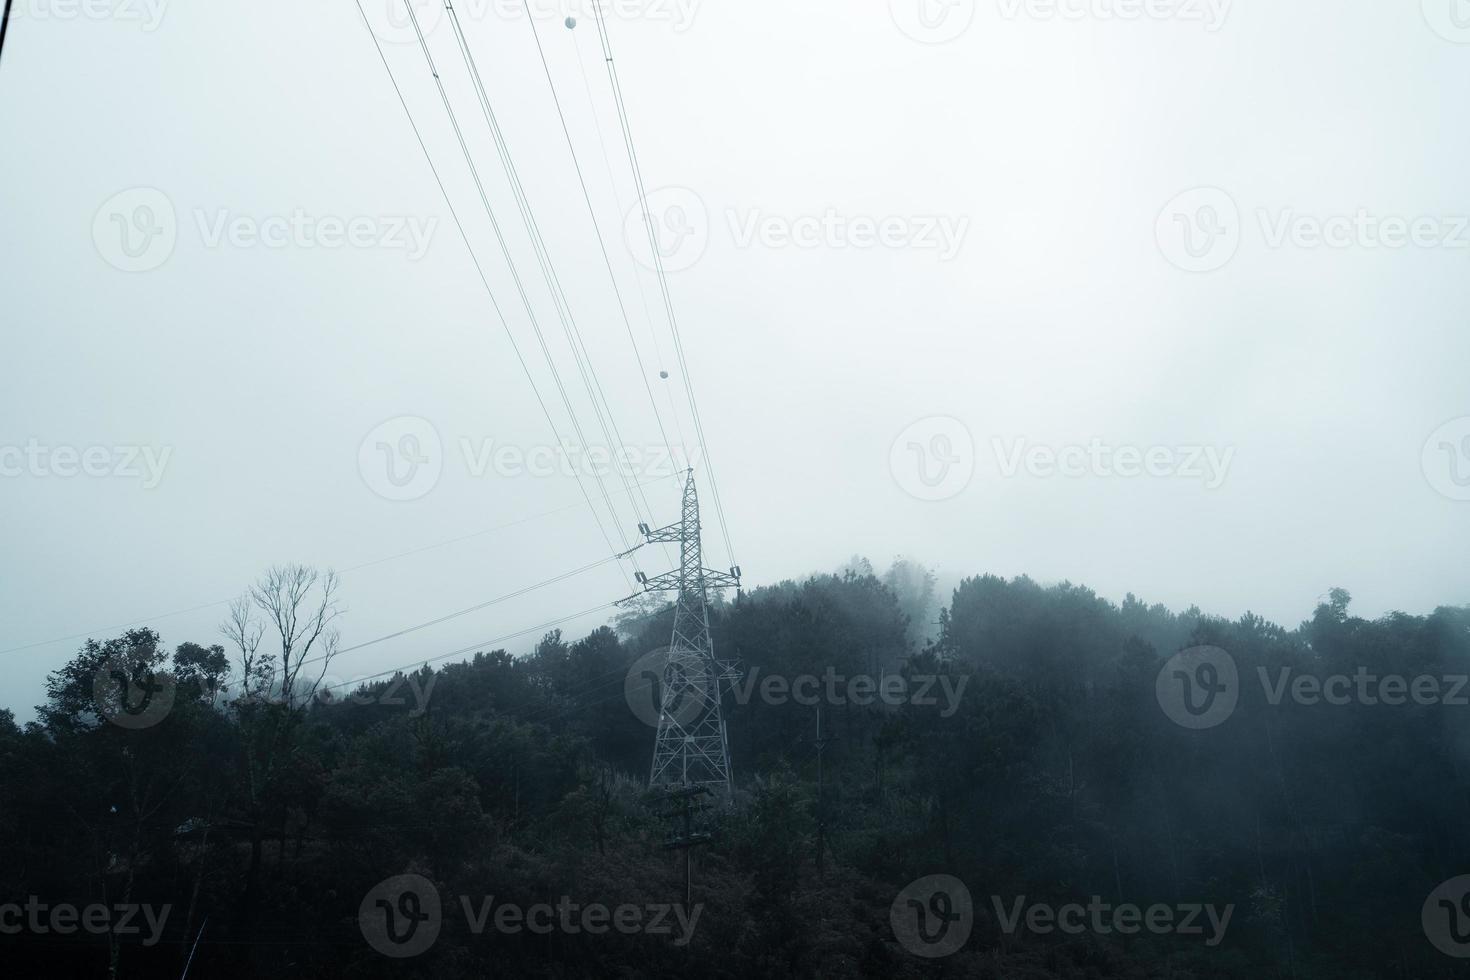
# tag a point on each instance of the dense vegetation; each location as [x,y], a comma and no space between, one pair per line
[1054,775]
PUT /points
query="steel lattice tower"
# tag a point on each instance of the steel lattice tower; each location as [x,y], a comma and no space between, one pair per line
[691,748]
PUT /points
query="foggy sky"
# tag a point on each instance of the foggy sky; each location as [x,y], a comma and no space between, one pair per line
[995,256]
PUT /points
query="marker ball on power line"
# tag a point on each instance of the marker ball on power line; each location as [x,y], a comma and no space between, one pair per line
[571,22]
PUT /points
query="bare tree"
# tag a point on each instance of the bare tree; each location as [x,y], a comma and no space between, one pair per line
[302,604]
[244,633]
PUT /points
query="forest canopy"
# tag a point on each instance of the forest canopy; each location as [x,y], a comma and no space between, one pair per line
[1040,744]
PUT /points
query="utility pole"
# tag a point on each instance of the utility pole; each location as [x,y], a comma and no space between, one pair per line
[685,807]
[691,748]
[821,743]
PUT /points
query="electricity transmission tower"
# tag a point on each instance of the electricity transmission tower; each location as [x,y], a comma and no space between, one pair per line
[691,749]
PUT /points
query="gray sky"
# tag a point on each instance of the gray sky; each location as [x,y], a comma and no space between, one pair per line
[1166,297]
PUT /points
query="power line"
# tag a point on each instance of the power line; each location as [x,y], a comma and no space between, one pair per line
[510,636]
[659,268]
[582,698]
[474,258]
[509,261]
[637,280]
[594,685]
[582,358]
[472,609]
[476,534]
[343,571]
[5,25]
[332,657]
[471,648]
[585,368]
[596,227]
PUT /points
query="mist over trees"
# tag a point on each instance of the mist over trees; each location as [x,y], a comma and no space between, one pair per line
[1037,765]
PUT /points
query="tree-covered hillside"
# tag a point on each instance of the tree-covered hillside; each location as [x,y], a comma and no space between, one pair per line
[1048,749]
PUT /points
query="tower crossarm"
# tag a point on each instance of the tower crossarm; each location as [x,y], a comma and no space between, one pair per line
[721,580]
[672,534]
[675,581]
